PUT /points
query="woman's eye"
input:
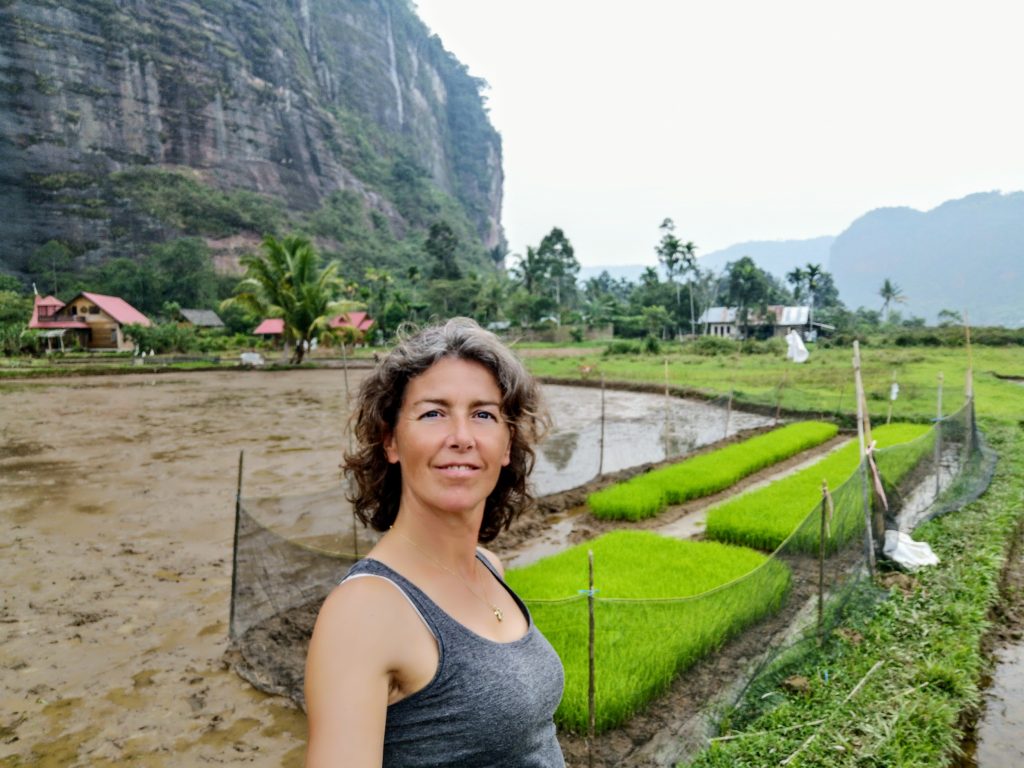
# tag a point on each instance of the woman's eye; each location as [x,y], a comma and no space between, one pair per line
[433,414]
[486,415]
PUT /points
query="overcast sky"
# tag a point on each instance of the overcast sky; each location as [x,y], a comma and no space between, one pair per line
[740,119]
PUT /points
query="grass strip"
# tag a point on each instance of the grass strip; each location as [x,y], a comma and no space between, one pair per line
[928,631]
[765,517]
[650,494]
[661,605]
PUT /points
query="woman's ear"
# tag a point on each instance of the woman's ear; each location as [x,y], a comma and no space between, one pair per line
[391,447]
[507,458]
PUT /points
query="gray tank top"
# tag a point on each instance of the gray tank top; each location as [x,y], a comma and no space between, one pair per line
[489,704]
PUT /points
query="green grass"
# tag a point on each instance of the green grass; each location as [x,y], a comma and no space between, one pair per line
[824,384]
[649,494]
[765,517]
[661,605]
[929,639]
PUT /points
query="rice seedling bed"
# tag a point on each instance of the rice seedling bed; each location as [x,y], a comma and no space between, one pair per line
[650,494]
[661,604]
[766,517]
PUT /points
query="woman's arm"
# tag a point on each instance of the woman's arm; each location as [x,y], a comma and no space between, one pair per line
[349,672]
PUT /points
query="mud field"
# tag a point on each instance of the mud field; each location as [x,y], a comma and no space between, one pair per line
[117,497]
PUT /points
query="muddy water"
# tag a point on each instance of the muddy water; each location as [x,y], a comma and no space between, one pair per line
[638,430]
[999,732]
[116,498]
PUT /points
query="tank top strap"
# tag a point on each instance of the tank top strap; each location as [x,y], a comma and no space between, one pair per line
[427,609]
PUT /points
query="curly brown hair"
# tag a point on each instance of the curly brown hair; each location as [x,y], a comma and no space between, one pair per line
[376,484]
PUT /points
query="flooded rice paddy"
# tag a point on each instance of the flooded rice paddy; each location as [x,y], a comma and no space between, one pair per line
[117,498]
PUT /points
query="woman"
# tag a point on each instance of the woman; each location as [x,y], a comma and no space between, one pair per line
[423,656]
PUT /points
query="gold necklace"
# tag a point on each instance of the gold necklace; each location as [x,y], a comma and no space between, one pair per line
[494,609]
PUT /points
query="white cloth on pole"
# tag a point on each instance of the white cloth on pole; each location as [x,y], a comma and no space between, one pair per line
[797,352]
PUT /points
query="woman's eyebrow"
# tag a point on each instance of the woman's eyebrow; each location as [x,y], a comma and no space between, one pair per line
[448,404]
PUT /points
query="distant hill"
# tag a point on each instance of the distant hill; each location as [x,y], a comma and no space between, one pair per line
[964,254]
[775,256]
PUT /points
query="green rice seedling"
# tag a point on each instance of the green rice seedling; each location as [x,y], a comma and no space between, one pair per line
[661,604]
[764,518]
[649,494]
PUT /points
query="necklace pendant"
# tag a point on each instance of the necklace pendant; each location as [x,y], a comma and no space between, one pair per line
[497,613]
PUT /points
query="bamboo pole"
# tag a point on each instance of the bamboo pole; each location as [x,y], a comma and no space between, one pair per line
[778,395]
[869,544]
[600,454]
[668,409]
[591,704]
[728,413]
[888,415]
[938,437]
[969,389]
[234,546]
[821,562]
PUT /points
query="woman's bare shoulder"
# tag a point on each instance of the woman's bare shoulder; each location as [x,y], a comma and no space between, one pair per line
[494,560]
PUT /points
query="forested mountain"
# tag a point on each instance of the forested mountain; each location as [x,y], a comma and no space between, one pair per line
[124,124]
[966,254]
[776,256]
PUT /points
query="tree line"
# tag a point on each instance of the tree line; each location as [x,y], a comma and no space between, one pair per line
[289,278]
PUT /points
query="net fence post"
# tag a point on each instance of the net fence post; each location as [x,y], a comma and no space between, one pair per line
[591,704]
[234,547]
[869,544]
[821,561]
[728,413]
[938,437]
[667,411]
[600,452]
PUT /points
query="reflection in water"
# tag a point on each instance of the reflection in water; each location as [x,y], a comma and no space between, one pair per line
[999,731]
[635,432]
[559,448]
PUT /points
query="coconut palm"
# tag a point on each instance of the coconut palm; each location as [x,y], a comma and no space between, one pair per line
[286,281]
[891,294]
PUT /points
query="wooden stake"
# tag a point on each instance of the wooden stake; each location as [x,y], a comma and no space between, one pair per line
[667,411]
[600,454]
[888,416]
[778,395]
[938,438]
[591,705]
[821,562]
[234,547]
[728,413]
[869,544]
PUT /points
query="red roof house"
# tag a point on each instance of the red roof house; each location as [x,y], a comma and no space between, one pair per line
[358,321]
[98,321]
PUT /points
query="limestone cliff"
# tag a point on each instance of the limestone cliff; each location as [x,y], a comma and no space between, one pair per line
[124,122]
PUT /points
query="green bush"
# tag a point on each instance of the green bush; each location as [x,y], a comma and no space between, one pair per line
[649,494]
[167,337]
[661,605]
[620,347]
[764,518]
[713,345]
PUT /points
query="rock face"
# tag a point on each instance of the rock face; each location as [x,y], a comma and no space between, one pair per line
[293,100]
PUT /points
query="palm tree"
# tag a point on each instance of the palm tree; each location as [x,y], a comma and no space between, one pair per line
[797,278]
[891,294]
[286,281]
[811,274]
[689,256]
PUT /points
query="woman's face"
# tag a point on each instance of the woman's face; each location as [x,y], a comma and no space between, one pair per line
[450,438]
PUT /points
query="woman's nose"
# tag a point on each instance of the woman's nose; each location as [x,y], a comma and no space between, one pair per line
[461,435]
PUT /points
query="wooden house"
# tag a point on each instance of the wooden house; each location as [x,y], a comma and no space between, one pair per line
[95,320]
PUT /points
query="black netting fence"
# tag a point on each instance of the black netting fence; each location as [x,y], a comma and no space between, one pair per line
[291,551]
